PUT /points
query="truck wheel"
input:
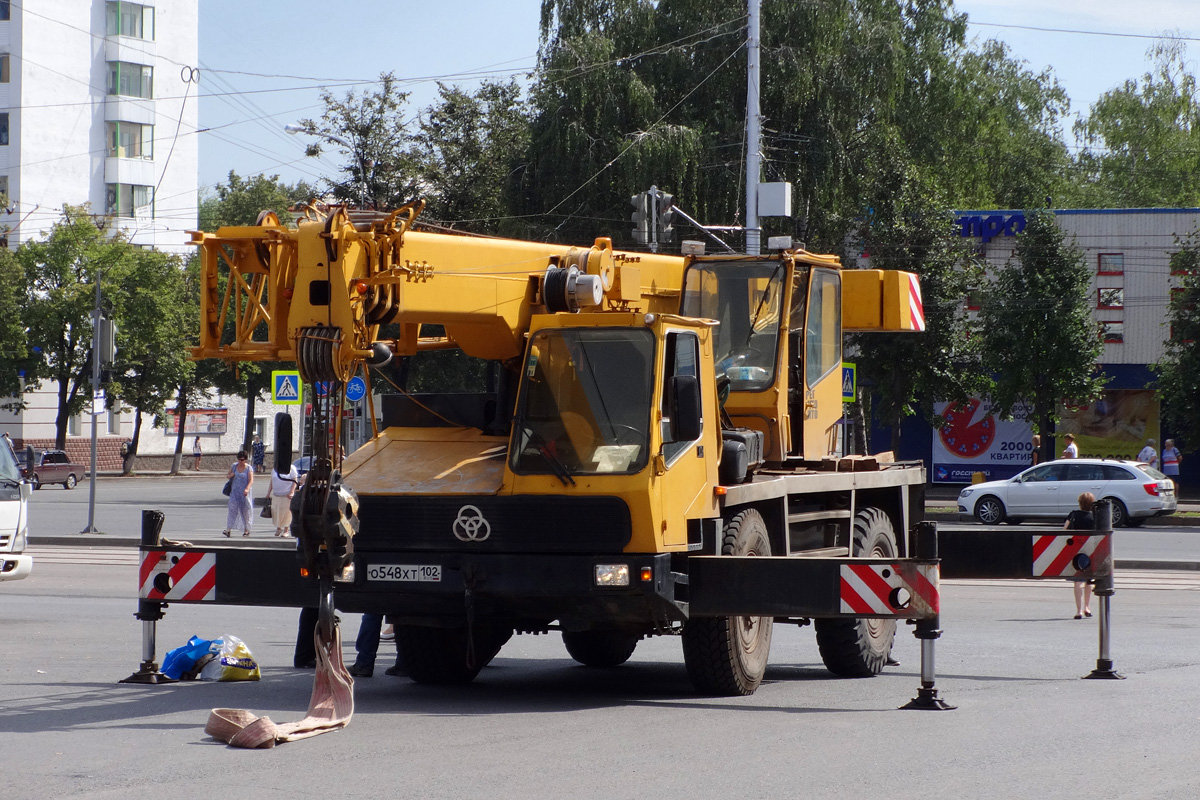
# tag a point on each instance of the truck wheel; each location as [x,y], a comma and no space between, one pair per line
[859,648]
[440,655]
[37,484]
[69,482]
[728,656]
[600,648]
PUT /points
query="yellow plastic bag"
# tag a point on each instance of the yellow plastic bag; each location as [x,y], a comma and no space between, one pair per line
[234,662]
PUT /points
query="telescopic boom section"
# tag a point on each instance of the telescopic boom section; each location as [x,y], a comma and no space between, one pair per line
[319,293]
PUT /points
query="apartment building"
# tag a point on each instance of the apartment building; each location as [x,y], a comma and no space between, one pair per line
[99,105]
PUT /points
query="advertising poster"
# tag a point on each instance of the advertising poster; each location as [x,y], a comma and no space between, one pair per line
[1115,426]
[200,420]
[976,440]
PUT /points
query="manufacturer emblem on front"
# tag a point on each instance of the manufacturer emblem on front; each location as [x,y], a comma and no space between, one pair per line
[470,525]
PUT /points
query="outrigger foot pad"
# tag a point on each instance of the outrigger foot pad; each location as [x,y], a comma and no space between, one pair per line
[927,700]
[1104,671]
[148,674]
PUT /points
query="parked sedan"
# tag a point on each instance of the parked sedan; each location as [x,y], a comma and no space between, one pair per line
[52,466]
[1051,491]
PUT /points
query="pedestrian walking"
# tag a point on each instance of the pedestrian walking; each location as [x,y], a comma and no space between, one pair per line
[1082,520]
[1148,455]
[258,454]
[1036,455]
[283,487]
[1171,459]
[1070,451]
[241,499]
[197,452]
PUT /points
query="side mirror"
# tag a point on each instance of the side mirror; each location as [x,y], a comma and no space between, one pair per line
[283,443]
[686,419]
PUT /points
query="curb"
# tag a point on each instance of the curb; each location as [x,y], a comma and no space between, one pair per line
[1170,519]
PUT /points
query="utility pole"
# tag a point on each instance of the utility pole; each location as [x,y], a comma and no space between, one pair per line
[753,131]
[96,317]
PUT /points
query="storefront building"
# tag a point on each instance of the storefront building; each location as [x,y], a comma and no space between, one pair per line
[1128,252]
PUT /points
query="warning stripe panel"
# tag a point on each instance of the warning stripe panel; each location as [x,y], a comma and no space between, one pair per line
[1072,556]
[916,307]
[893,590]
[190,576]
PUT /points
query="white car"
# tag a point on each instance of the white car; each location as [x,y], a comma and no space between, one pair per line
[1052,490]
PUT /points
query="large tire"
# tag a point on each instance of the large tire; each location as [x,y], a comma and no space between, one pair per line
[1120,515]
[439,655]
[728,656]
[989,510]
[860,648]
[602,648]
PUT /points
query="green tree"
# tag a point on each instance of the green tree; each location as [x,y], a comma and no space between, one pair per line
[15,356]
[382,168]
[61,272]
[908,228]
[469,144]
[1179,368]
[629,93]
[1143,138]
[240,201]
[1039,338]
[152,360]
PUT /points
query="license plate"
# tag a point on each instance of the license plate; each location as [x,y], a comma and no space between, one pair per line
[405,573]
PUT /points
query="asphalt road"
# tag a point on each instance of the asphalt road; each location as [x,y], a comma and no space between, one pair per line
[535,724]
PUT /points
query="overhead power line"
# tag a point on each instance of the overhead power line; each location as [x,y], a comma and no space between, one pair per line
[1082,32]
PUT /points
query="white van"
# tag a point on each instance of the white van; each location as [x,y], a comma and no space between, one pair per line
[14,518]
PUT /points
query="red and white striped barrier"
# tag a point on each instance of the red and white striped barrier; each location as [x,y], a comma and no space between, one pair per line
[1072,556]
[890,589]
[178,576]
[916,306]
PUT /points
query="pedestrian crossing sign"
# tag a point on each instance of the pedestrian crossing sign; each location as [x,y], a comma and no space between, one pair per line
[285,387]
[849,382]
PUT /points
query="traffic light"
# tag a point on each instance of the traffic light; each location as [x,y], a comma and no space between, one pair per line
[108,341]
[666,214]
[641,217]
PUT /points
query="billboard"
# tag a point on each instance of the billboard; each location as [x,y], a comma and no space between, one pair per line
[973,439]
[199,420]
[1115,426]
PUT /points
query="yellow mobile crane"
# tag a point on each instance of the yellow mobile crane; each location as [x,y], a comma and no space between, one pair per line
[648,416]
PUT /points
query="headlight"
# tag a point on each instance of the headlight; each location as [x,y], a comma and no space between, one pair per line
[612,574]
[965,493]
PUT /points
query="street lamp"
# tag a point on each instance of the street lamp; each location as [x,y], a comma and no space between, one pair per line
[363,163]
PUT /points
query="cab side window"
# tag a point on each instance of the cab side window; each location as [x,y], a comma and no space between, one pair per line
[682,358]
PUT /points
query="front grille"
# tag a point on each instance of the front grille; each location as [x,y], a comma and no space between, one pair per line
[520,524]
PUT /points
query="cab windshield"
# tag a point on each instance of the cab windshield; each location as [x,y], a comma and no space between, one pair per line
[746,298]
[9,469]
[585,404]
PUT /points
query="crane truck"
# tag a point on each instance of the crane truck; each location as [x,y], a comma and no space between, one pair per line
[648,418]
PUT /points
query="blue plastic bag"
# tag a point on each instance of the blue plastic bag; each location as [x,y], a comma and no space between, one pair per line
[183,660]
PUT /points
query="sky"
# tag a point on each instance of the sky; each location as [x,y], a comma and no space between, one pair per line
[309,44]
